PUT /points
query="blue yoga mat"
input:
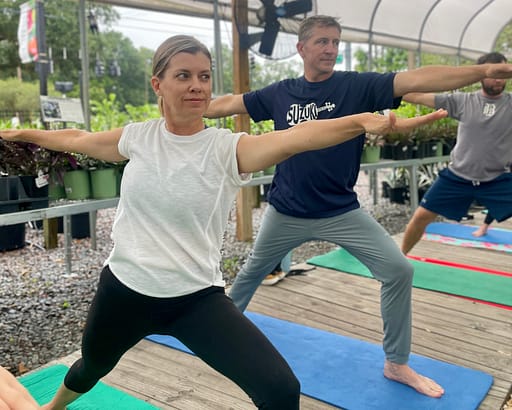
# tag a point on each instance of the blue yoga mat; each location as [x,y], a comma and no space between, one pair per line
[455,230]
[347,373]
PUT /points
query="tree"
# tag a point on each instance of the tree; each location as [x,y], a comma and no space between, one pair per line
[112,49]
[385,59]
[265,72]
[130,86]
[62,33]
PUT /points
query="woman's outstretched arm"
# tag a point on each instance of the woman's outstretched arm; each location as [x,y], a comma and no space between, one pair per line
[256,152]
[101,145]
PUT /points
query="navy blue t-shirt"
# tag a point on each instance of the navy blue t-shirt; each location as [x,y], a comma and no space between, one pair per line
[319,184]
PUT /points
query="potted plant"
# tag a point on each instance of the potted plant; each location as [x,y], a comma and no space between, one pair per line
[397,146]
[17,186]
[105,179]
[77,183]
[396,185]
[428,141]
[447,131]
[372,147]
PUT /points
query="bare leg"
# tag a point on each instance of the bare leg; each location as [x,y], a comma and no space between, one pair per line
[489,219]
[13,395]
[416,227]
[402,373]
[63,397]
[481,231]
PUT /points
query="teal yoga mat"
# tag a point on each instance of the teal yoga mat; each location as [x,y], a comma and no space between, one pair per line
[347,373]
[456,281]
[43,384]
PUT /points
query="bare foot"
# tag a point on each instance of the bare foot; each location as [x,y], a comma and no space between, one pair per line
[480,232]
[402,373]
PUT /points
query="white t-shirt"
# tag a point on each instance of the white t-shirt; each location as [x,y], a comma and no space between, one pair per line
[176,195]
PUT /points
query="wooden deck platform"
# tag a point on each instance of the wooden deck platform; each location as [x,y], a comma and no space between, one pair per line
[446,327]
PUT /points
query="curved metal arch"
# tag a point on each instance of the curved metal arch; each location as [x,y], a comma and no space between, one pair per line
[422,29]
[463,33]
[370,35]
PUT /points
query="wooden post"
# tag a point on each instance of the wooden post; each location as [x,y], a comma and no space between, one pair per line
[242,122]
[50,226]
[50,229]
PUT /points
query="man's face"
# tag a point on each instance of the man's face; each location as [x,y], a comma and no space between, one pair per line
[319,52]
[493,86]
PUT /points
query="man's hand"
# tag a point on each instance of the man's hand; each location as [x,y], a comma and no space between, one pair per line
[501,70]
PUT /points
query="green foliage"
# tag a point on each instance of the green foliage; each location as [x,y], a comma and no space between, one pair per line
[107,115]
[16,95]
[63,37]
[442,130]
[261,127]
[143,112]
[230,266]
[408,110]
[256,128]
[62,32]
[385,59]
[271,71]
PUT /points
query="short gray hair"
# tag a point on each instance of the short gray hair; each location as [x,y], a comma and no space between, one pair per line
[308,24]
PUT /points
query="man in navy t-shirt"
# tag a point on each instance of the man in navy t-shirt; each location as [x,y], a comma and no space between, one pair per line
[312,195]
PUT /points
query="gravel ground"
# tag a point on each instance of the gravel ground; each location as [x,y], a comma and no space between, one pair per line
[42,309]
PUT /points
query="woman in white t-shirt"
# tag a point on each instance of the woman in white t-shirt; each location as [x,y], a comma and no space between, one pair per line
[178,187]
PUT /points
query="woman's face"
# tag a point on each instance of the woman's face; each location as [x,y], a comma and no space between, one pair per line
[185,86]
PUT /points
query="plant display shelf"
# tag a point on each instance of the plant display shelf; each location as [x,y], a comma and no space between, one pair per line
[65,210]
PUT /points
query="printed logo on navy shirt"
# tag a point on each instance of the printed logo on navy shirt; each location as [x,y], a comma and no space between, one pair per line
[297,113]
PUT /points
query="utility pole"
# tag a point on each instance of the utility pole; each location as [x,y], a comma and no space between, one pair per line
[84,54]
[42,53]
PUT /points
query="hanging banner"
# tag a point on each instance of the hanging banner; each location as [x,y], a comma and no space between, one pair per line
[27,34]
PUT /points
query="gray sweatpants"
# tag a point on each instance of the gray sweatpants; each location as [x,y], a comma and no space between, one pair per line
[359,234]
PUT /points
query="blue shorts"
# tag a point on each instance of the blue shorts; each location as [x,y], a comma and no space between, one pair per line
[451,196]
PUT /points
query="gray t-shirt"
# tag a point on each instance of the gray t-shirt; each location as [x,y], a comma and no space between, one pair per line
[484,139]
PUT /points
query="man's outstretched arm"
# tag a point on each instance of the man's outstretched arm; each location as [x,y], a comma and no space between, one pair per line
[226,105]
[426,99]
[437,78]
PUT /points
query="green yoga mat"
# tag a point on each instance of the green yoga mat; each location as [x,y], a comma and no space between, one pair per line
[43,384]
[456,281]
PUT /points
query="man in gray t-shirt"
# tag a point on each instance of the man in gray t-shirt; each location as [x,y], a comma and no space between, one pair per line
[479,167]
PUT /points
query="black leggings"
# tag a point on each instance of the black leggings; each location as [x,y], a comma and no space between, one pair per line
[207,322]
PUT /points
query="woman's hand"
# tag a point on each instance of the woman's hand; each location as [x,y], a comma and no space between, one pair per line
[383,124]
